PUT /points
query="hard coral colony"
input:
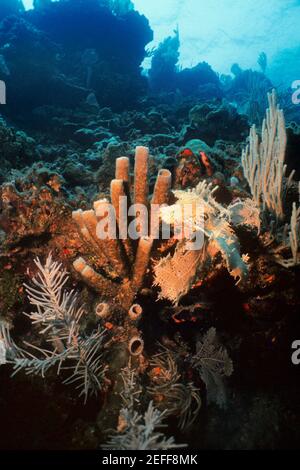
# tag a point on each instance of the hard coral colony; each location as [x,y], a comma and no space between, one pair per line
[149,248]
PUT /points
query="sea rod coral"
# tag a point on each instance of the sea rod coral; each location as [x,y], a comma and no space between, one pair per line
[263,161]
[264,167]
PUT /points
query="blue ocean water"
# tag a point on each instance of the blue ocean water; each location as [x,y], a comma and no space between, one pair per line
[156,40]
[225,31]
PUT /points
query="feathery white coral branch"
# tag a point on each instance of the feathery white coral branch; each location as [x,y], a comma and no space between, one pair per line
[55,307]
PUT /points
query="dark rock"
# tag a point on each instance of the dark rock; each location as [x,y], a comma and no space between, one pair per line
[211,122]
[85,136]
[157,140]
[34,79]
[77,174]
[90,34]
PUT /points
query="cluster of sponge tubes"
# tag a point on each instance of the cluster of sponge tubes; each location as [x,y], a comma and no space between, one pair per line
[122,262]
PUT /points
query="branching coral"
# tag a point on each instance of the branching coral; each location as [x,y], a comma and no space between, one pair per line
[295,233]
[138,431]
[56,309]
[142,432]
[263,161]
[58,315]
[131,387]
[292,242]
[2,352]
[265,170]
[172,396]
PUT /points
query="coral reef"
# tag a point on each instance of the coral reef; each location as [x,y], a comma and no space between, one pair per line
[162,335]
[32,206]
[18,150]
[31,46]
[162,74]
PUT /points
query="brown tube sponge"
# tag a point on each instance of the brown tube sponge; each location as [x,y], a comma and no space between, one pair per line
[103,310]
[87,235]
[136,346]
[87,223]
[79,265]
[105,231]
[141,175]
[161,195]
[122,169]
[141,261]
[135,312]
[95,280]
[117,191]
[114,250]
[162,187]
[141,188]
[77,217]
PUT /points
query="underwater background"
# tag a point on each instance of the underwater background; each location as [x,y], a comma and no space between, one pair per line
[140,343]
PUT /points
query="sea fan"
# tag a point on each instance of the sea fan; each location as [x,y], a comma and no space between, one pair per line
[176,274]
[245,213]
[213,363]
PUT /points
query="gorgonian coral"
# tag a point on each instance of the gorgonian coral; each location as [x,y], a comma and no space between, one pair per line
[175,274]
